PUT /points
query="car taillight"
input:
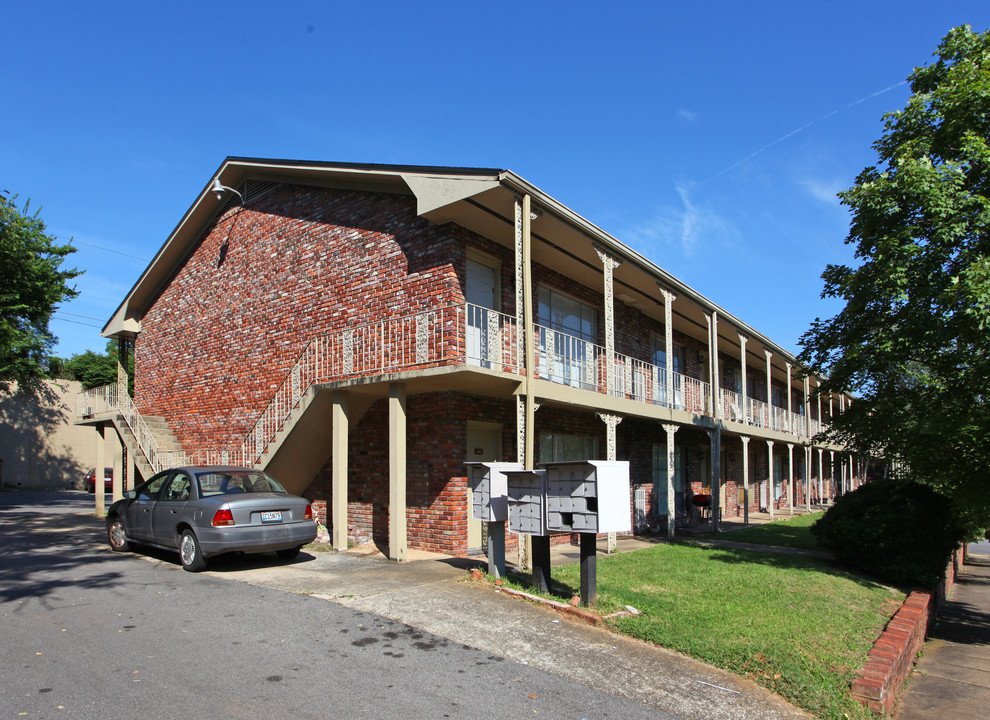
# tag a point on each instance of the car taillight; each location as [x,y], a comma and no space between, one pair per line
[308,515]
[223,516]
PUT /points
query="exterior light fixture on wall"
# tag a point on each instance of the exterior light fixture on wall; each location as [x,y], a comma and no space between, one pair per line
[218,189]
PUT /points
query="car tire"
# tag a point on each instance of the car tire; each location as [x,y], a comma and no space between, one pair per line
[289,553]
[117,535]
[190,553]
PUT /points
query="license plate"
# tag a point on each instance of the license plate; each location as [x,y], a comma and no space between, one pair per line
[271,516]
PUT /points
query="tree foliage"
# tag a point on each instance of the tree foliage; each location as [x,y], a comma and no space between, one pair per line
[914,336]
[95,369]
[32,284]
[901,532]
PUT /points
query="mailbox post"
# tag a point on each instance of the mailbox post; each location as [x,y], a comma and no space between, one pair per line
[527,491]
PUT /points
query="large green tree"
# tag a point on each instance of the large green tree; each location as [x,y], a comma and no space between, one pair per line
[914,336]
[32,284]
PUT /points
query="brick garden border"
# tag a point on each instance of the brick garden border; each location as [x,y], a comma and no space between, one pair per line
[893,655]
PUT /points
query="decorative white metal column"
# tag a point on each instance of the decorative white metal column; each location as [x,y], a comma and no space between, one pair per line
[742,365]
[611,421]
[790,415]
[609,264]
[836,488]
[670,429]
[790,475]
[770,497]
[745,459]
[668,332]
[716,433]
[821,479]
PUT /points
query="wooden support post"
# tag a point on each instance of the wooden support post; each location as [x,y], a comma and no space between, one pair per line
[541,562]
[589,568]
[496,549]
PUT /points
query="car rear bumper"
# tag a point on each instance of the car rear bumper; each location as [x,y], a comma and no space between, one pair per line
[256,538]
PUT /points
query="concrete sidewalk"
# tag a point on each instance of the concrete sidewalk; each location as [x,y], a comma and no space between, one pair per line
[952,678]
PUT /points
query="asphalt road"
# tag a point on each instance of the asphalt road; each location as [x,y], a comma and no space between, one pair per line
[91,634]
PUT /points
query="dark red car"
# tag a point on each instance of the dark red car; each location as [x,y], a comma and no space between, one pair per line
[90,481]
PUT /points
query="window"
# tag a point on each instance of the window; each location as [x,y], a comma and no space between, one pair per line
[556,447]
[178,489]
[481,294]
[567,333]
[236,481]
[149,491]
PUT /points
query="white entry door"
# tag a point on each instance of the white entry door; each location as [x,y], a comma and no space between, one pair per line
[479,292]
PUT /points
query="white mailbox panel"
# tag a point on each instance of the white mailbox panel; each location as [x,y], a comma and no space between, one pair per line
[527,509]
[590,496]
[489,501]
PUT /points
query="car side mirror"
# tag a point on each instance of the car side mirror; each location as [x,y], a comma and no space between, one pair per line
[130,494]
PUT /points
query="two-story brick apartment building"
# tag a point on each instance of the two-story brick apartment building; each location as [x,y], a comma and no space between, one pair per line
[361,331]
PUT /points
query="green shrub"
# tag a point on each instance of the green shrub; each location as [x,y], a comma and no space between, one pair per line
[898,531]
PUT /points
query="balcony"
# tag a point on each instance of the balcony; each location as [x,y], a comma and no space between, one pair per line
[463,335]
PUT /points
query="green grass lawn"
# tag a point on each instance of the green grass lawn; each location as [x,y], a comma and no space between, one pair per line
[792,532]
[795,625]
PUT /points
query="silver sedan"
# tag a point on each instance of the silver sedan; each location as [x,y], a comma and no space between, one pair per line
[208,511]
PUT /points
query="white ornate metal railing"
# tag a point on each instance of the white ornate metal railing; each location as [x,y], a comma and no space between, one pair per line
[425,339]
[467,334]
[568,360]
[114,398]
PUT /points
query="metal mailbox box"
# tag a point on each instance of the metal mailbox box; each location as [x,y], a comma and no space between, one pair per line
[526,493]
[489,501]
[588,496]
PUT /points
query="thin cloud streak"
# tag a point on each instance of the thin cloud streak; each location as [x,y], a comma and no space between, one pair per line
[803,127]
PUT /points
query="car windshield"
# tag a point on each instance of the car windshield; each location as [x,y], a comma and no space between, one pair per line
[229,482]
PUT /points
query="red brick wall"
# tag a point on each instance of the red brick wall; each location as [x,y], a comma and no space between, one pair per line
[300,262]
[436,486]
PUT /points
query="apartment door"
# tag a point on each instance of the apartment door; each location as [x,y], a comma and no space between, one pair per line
[479,292]
[482,446]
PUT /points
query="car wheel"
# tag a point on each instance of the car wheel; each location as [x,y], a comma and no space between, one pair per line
[190,553]
[288,554]
[117,535]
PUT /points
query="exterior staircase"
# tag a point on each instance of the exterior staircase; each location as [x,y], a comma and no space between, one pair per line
[169,451]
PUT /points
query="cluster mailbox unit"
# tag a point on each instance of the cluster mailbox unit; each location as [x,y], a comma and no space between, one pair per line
[489,503]
[527,509]
[585,496]
[589,496]
[489,497]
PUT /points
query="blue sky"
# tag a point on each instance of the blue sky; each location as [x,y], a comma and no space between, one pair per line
[709,136]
